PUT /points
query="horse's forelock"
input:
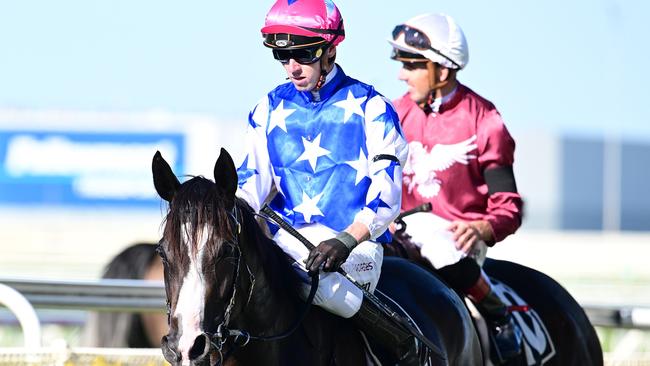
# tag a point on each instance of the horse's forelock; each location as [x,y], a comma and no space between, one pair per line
[197,206]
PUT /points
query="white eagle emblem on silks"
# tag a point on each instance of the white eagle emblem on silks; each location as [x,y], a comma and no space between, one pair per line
[421,166]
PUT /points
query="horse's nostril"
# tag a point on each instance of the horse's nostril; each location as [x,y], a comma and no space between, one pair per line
[170,355]
[200,348]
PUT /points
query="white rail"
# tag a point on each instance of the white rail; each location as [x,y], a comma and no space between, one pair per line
[137,295]
[25,313]
[101,295]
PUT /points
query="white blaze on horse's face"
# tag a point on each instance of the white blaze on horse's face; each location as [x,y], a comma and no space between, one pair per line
[191,297]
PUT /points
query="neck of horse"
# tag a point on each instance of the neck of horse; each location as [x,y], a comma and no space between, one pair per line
[273,307]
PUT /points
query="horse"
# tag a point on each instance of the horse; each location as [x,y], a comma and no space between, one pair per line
[232,293]
[556,330]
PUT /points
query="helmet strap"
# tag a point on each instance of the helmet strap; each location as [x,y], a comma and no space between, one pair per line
[435,85]
[324,60]
[323,72]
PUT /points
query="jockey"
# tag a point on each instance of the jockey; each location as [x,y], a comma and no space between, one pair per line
[327,152]
[460,160]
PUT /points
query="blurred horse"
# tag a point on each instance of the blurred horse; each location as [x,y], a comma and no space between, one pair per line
[138,261]
[232,294]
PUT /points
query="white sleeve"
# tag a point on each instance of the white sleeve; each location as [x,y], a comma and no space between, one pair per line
[255,173]
[387,152]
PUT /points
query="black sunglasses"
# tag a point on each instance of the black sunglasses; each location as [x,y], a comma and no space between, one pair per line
[303,56]
[417,39]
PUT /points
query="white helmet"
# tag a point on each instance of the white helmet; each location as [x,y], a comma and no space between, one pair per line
[434,36]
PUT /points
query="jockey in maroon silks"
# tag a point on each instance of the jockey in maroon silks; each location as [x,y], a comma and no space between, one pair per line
[460,160]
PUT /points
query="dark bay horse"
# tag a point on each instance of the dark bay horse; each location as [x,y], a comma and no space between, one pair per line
[231,291]
[556,328]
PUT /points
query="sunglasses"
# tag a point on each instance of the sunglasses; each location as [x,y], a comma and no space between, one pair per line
[303,56]
[417,39]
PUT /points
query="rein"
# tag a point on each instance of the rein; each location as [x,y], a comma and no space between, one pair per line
[219,338]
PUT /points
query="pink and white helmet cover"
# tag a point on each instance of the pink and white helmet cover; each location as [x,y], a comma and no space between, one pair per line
[310,18]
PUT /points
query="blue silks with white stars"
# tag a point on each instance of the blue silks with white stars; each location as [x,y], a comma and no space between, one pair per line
[318,153]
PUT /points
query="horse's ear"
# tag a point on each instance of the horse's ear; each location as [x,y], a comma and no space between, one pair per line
[225,174]
[164,179]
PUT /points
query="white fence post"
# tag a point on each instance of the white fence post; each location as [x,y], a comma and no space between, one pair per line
[25,313]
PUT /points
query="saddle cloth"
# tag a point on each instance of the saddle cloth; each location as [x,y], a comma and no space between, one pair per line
[538,346]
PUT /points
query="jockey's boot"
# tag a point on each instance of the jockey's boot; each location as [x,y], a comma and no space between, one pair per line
[505,335]
[396,339]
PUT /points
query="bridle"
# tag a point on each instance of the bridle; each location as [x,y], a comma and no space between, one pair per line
[241,337]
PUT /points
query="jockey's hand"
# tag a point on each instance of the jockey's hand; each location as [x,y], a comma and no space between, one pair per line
[331,252]
[465,235]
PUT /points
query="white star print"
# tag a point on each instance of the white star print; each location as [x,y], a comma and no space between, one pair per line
[261,112]
[375,107]
[308,207]
[312,151]
[278,116]
[375,132]
[360,165]
[351,105]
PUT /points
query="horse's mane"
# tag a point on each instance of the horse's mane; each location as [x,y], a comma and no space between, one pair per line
[280,275]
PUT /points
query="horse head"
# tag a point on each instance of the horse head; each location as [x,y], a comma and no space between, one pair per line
[202,258]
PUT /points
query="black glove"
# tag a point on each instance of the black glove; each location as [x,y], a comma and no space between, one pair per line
[332,252]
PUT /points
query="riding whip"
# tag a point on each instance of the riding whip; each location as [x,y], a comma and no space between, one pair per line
[387,311]
[425,207]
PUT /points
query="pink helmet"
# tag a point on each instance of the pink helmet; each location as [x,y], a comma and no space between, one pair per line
[308,18]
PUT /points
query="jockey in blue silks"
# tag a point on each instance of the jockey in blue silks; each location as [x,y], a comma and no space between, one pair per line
[327,151]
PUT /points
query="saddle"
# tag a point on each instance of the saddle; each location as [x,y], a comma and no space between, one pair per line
[538,346]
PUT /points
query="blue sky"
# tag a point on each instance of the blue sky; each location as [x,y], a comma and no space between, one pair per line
[575,67]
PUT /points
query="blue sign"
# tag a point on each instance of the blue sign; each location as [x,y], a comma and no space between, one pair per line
[83,168]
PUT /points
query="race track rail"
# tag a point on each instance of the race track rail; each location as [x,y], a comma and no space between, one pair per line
[138,295]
